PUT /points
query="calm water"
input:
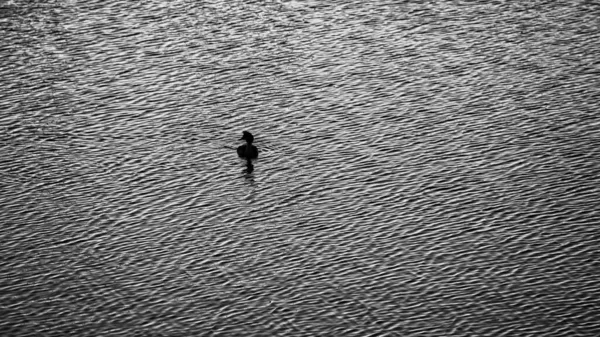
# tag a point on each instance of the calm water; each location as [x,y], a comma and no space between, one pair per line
[426,169]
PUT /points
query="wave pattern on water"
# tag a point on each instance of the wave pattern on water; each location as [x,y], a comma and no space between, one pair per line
[424,169]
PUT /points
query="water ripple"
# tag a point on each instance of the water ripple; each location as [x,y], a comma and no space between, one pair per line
[423,170]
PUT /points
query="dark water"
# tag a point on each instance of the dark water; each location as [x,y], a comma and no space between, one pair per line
[426,169]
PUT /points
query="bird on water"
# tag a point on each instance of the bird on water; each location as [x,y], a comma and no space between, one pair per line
[248,150]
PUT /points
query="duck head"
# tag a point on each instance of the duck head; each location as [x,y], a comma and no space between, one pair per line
[248,137]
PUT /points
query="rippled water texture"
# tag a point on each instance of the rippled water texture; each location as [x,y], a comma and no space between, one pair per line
[425,169]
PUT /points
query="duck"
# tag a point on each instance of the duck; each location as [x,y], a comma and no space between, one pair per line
[248,150]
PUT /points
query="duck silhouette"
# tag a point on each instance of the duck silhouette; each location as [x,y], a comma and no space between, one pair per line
[248,150]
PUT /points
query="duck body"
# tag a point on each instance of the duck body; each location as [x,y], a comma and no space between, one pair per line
[247,150]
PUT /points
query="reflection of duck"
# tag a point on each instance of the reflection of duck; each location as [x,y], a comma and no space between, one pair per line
[248,150]
[249,167]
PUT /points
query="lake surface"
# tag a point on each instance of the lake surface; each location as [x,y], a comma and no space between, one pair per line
[425,169]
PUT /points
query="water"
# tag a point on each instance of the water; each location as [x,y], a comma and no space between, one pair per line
[425,169]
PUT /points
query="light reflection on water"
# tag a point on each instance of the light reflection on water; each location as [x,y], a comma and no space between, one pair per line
[424,169]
